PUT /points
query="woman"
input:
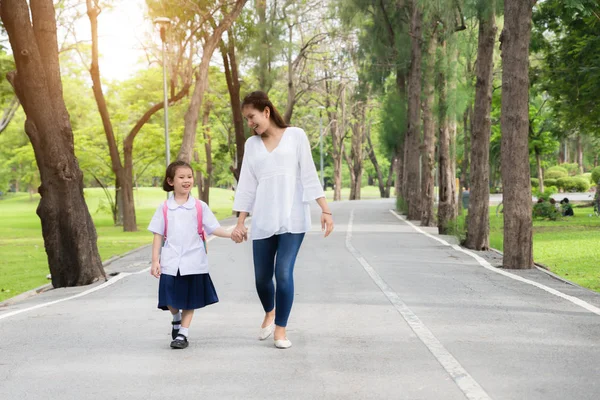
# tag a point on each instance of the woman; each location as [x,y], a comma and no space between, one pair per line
[277,182]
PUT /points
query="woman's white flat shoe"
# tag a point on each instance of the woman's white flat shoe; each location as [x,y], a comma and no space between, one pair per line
[283,343]
[266,331]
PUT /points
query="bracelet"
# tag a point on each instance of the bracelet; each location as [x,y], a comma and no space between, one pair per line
[327,213]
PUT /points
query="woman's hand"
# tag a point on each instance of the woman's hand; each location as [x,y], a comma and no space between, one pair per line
[239,234]
[326,223]
[155,270]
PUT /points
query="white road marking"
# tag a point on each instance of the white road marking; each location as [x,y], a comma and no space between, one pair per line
[487,265]
[464,381]
[85,293]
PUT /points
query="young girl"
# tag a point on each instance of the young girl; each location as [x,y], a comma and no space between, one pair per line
[181,262]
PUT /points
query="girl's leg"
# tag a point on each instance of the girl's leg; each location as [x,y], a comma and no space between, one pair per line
[186,319]
[287,250]
[176,324]
[264,264]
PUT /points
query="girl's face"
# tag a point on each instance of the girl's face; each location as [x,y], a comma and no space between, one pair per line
[258,121]
[183,181]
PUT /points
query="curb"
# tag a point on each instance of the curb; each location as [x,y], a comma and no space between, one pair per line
[546,270]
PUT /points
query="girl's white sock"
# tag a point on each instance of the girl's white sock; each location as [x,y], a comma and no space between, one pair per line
[183,331]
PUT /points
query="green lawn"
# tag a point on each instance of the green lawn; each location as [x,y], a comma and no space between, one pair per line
[23,263]
[569,247]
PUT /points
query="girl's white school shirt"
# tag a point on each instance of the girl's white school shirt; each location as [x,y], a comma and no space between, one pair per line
[183,249]
[276,187]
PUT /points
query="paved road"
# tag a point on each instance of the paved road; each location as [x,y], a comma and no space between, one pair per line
[382,311]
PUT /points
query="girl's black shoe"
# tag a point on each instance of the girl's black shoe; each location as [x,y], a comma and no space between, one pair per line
[180,342]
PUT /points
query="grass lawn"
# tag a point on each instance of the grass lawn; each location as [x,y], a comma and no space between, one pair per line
[569,247]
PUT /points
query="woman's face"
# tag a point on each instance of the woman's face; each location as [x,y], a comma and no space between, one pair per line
[258,121]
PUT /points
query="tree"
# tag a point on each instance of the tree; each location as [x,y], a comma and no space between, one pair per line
[412,188]
[123,170]
[67,227]
[516,184]
[478,225]
[210,44]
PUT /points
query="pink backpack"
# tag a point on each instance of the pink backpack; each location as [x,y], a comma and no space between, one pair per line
[200,227]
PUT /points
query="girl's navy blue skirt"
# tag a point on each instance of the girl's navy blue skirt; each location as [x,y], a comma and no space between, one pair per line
[186,292]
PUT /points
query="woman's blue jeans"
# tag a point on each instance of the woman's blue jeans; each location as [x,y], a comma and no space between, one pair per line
[276,254]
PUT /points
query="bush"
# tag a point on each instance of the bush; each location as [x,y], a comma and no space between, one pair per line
[587,176]
[573,184]
[549,182]
[571,168]
[555,173]
[596,175]
[548,192]
[545,210]
[535,182]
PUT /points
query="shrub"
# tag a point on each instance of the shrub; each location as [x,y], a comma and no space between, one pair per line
[555,173]
[535,182]
[549,182]
[573,184]
[545,210]
[548,192]
[587,176]
[571,168]
[595,175]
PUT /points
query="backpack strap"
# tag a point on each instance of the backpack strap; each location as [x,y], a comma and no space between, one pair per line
[164,209]
[200,226]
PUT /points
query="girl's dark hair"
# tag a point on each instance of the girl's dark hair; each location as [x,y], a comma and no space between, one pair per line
[260,101]
[171,171]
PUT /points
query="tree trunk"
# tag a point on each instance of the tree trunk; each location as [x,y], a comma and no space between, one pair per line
[291,89]
[464,176]
[126,206]
[412,139]
[447,202]
[518,246]
[208,150]
[428,153]
[478,222]
[355,162]
[67,227]
[371,152]
[191,115]
[233,85]
[399,171]
[8,113]
[580,153]
[264,78]
[540,172]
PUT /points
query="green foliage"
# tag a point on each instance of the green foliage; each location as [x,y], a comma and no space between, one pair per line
[550,182]
[573,184]
[596,175]
[571,168]
[401,205]
[555,173]
[545,210]
[535,182]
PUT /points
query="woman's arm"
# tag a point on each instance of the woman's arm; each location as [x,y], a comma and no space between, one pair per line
[240,232]
[326,216]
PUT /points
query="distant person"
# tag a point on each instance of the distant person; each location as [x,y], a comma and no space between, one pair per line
[277,183]
[567,209]
[555,204]
[180,262]
[540,200]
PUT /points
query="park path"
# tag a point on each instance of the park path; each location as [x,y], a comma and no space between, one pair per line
[382,311]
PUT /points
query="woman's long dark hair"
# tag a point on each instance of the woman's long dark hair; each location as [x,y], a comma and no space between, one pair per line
[259,100]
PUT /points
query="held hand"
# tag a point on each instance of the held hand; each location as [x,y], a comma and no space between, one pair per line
[155,270]
[326,223]
[236,236]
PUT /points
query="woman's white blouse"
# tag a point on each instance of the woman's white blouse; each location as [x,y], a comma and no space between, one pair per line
[275,187]
[183,249]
